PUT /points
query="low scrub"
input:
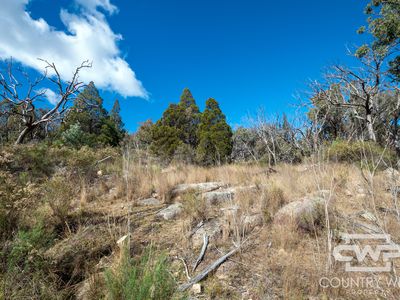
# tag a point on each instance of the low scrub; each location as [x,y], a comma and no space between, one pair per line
[365,152]
[27,274]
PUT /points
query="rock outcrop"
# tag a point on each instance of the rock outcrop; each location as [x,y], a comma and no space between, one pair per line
[223,195]
[196,187]
[213,228]
[219,196]
[149,202]
[170,212]
[305,213]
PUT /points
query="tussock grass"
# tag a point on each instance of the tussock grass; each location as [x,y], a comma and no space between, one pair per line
[144,278]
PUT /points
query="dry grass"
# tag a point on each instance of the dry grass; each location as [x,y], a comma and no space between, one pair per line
[292,260]
[277,261]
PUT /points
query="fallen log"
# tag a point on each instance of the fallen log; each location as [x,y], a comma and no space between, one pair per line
[368,228]
[202,252]
[207,270]
[102,160]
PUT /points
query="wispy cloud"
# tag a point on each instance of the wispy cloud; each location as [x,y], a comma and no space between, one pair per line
[52,97]
[88,37]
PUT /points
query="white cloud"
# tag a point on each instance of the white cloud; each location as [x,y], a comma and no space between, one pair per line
[88,37]
[52,97]
[92,5]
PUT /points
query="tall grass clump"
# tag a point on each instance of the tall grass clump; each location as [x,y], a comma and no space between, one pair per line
[140,279]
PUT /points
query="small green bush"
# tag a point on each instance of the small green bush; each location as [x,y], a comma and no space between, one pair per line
[140,279]
[75,137]
[26,248]
[365,152]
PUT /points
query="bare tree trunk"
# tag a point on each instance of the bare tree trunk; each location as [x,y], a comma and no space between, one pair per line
[23,134]
[370,127]
[371,132]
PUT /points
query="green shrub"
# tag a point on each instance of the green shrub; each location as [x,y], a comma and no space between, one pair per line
[25,252]
[140,279]
[75,137]
[364,152]
[27,274]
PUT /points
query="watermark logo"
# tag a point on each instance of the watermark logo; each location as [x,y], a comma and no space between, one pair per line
[380,249]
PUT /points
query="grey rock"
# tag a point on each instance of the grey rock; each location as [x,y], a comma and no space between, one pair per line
[213,228]
[219,196]
[149,202]
[306,213]
[252,220]
[170,212]
[225,195]
[196,288]
[196,187]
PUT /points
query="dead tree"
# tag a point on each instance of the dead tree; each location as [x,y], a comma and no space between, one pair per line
[279,138]
[356,90]
[12,85]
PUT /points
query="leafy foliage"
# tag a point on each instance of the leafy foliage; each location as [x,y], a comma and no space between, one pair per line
[350,152]
[27,243]
[384,26]
[75,137]
[28,275]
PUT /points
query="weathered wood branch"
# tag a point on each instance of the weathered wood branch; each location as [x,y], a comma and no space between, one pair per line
[186,267]
[207,270]
[202,252]
[102,160]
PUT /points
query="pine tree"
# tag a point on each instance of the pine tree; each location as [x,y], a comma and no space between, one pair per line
[215,136]
[191,118]
[142,138]
[99,127]
[179,122]
[110,134]
[115,115]
[165,141]
[87,110]
[184,117]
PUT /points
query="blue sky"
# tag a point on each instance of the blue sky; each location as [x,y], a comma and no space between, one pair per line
[246,54]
